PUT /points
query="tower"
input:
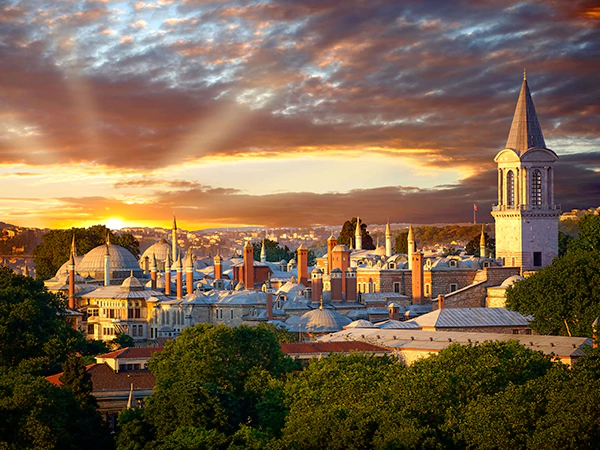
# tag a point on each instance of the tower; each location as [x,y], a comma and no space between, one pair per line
[526,216]
[302,264]
[412,247]
[358,235]
[482,242]
[388,240]
[263,253]
[248,265]
[331,243]
[174,254]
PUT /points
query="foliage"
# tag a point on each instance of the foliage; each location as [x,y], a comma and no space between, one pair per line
[569,226]
[281,333]
[564,297]
[450,251]
[55,248]
[472,247]
[37,414]
[401,244]
[347,235]
[588,238]
[33,325]
[565,241]
[274,251]
[121,340]
[77,378]
[209,381]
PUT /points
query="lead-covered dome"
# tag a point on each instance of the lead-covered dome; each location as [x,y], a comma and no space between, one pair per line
[122,263]
[322,321]
[160,250]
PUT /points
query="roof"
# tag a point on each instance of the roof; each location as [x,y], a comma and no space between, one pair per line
[160,250]
[120,259]
[525,131]
[132,353]
[330,347]
[471,317]
[321,321]
[105,379]
[397,325]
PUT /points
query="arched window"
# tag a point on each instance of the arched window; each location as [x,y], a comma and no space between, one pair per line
[510,188]
[536,189]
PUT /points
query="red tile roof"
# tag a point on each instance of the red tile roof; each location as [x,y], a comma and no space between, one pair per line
[131,353]
[104,379]
[329,347]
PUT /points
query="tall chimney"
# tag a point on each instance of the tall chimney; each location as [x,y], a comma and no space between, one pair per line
[394,311]
[350,284]
[336,285]
[189,273]
[269,292]
[331,243]
[316,284]
[303,264]
[482,242]
[218,261]
[153,270]
[71,268]
[441,301]
[146,265]
[179,280]
[417,278]
[168,275]
[248,265]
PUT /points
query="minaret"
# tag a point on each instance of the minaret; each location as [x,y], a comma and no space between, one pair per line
[482,242]
[526,216]
[358,235]
[107,263]
[168,275]
[71,269]
[411,245]
[388,240]
[263,253]
[153,270]
[174,252]
[73,246]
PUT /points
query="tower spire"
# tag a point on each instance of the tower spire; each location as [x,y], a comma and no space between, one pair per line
[525,131]
[73,247]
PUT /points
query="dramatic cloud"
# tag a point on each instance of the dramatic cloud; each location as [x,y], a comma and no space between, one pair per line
[148,87]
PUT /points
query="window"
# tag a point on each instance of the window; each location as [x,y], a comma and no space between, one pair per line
[231,313]
[392,265]
[536,189]
[397,287]
[111,313]
[130,313]
[510,188]
[515,331]
[426,289]
[453,287]
[452,263]
[138,313]
[537,259]
[91,328]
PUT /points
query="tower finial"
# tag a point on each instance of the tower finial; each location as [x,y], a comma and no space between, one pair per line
[524,74]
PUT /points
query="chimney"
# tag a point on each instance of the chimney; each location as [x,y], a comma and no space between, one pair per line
[336,285]
[303,264]
[179,279]
[317,284]
[417,278]
[393,311]
[153,269]
[71,268]
[441,301]
[248,265]
[218,261]
[269,292]
[189,273]
[168,275]
[350,284]
[331,242]
[146,264]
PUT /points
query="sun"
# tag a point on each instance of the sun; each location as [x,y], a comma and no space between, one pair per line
[114,223]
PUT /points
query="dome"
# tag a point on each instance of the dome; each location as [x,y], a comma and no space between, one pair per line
[322,321]
[340,248]
[511,280]
[160,250]
[64,269]
[361,323]
[122,263]
[131,283]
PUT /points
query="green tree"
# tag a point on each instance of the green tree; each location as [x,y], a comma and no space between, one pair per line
[78,379]
[564,242]
[54,250]
[472,247]
[564,297]
[122,340]
[588,238]
[348,233]
[33,324]
[274,251]
[401,243]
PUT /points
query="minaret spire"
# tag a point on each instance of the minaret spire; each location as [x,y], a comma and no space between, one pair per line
[525,131]
[73,247]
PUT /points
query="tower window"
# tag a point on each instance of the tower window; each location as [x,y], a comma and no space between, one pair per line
[510,188]
[537,259]
[536,189]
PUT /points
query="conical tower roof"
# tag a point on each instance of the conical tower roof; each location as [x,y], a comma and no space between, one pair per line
[525,131]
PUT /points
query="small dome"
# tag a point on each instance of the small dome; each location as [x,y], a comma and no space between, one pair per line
[511,280]
[322,321]
[340,248]
[316,270]
[292,261]
[360,323]
[131,283]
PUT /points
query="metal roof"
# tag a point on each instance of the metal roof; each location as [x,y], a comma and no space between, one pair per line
[471,317]
[525,131]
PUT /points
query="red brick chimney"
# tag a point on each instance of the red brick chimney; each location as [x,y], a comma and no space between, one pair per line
[189,273]
[316,284]
[303,264]
[218,262]
[350,284]
[441,301]
[249,265]
[331,242]
[336,285]
[417,278]
[153,270]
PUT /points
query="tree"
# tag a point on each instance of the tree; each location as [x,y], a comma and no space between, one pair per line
[564,297]
[401,244]
[33,324]
[274,251]
[54,250]
[472,247]
[77,378]
[121,340]
[213,379]
[564,242]
[588,238]
[348,233]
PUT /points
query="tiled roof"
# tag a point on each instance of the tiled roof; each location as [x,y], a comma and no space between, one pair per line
[131,353]
[471,317]
[329,347]
[105,379]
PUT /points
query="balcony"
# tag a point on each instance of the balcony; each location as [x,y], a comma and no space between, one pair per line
[496,208]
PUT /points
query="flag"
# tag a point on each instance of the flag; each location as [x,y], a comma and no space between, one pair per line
[474,207]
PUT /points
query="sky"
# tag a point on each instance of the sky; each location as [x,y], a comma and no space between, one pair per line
[286,113]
